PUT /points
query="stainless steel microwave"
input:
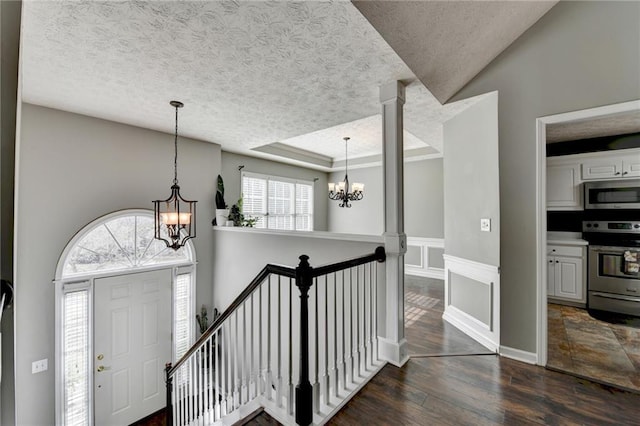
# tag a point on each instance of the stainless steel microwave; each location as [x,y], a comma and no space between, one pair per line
[617,194]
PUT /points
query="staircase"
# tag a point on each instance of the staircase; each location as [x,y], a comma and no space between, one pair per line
[298,342]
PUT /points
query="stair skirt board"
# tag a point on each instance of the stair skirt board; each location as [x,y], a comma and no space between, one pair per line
[280,413]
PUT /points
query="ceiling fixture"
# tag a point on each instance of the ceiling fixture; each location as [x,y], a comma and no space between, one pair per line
[340,191]
[175,214]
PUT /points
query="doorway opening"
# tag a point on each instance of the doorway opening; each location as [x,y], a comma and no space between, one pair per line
[124,308]
[569,336]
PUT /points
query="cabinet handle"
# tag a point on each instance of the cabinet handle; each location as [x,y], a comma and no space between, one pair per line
[557,261]
[551,261]
[624,173]
[617,173]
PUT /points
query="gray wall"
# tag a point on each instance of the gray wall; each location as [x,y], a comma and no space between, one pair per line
[579,55]
[231,176]
[424,213]
[471,182]
[10,17]
[364,216]
[243,253]
[72,170]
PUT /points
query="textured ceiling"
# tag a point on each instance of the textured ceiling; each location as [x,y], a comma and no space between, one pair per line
[618,124]
[249,73]
[455,39]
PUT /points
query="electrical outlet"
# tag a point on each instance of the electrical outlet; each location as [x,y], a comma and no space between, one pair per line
[39,366]
[485,225]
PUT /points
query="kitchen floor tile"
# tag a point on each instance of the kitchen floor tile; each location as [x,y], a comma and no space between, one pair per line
[605,351]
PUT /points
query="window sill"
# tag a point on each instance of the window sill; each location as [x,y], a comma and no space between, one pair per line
[304,234]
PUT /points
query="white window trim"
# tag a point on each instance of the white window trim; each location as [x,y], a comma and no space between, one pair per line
[87,281]
[266,214]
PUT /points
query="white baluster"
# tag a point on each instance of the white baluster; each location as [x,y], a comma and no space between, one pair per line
[316,382]
[343,365]
[268,375]
[290,382]
[357,349]
[217,370]
[335,335]
[230,377]
[325,381]
[279,384]
[244,374]
[351,349]
[260,379]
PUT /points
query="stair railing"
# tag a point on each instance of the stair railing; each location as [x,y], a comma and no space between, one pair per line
[238,363]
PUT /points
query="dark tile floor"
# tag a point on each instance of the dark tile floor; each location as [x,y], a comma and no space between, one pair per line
[608,352]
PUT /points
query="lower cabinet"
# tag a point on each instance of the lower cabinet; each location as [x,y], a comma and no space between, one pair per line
[566,273]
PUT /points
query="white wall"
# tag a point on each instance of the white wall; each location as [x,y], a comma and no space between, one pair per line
[424,214]
[579,55]
[73,169]
[232,181]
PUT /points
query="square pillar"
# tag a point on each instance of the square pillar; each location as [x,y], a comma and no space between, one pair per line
[393,346]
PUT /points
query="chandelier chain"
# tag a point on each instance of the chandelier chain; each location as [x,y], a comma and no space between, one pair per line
[175,157]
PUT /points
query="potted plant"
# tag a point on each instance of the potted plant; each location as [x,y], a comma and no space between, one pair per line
[222,212]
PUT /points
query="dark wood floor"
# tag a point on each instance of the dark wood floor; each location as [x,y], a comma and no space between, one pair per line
[485,390]
[425,330]
[472,390]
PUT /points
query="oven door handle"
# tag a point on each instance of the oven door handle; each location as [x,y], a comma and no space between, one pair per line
[616,297]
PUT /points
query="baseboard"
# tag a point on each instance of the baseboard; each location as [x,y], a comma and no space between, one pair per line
[519,355]
[393,352]
[468,326]
[437,274]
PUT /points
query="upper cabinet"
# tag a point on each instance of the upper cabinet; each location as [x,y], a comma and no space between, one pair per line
[563,187]
[565,174]
[613,167]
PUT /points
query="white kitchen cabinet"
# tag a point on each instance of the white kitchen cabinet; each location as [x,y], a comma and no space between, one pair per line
[563,187]
[566,273]
[612,165]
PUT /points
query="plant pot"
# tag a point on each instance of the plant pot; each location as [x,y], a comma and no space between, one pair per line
[221,216]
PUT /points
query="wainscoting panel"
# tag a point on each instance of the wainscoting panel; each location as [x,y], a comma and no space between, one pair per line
[472,299]
[424,257]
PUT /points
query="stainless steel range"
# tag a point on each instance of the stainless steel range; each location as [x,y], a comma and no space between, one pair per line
[614,259]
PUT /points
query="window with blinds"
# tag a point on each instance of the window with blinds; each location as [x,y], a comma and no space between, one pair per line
[278,203]
[76,357]
[184,318]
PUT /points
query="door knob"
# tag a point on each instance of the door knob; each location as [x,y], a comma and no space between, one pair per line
[100,357]
[102,368]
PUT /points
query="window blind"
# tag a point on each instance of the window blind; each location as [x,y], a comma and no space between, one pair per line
[184,318]
[278,203]
[76,362]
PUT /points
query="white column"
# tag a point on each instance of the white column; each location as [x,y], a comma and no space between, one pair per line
[393,346]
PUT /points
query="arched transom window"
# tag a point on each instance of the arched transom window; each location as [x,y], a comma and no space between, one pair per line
[122,242]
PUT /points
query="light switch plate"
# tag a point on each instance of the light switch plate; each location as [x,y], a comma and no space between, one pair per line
[485,225]
[39,366]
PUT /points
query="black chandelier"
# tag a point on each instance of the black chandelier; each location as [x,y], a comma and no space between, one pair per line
[340,191]
[175,214]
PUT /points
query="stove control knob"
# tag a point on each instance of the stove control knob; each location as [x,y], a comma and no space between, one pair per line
[595,225]
[588,225]
[636,226]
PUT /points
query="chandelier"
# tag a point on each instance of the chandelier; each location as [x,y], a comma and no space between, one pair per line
[340,191]
[175,214]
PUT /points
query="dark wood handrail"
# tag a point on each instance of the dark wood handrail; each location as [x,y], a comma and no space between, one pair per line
[262,275]
[379,255]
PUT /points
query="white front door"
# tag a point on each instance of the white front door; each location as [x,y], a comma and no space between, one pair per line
[132,343]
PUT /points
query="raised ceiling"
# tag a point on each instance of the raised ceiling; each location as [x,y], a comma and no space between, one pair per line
[250,73]
[446,43]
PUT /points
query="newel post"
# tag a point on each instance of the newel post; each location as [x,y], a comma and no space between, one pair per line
[304,394]
[169,382]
